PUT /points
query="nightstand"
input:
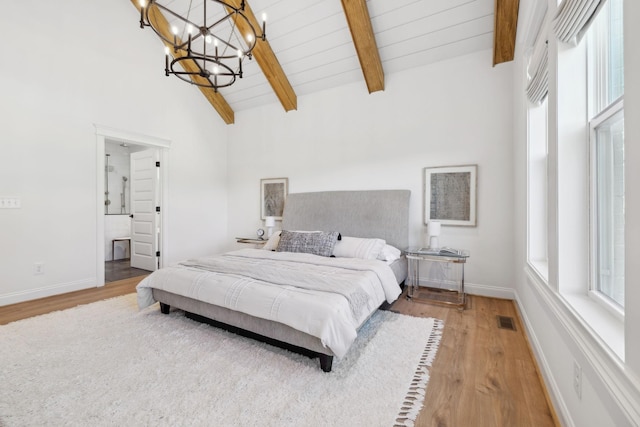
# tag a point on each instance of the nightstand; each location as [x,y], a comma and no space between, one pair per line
[436,277]
[251,241]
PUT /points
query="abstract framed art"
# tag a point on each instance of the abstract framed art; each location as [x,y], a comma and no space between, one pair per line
[273,193]
[450,195]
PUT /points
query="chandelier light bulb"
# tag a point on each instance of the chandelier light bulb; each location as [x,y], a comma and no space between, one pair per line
[216,70]
[174,30]
[240,54]
[208,38]
[143,3]
[264,26]
[189,28]
[249,38]
[166,61]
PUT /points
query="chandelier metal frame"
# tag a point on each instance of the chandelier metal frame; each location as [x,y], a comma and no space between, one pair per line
[218,59]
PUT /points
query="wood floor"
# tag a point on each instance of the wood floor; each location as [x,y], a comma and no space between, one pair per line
[121,269]
[482,375]
[11,313]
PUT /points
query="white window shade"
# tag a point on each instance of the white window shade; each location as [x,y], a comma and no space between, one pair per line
[538,73]
[573,18]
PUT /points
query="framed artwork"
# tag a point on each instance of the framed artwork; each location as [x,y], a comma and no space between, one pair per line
[273,192]
[450,195]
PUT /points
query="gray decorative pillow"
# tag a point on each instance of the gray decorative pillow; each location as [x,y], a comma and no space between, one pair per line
[314,242]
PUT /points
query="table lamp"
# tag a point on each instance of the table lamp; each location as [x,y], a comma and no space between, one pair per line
[434,232]
[269,222]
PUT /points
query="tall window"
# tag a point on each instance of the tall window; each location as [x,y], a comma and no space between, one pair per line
[537,184]
[537,132]
[606,90]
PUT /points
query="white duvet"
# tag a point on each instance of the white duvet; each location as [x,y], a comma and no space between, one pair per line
[328,298]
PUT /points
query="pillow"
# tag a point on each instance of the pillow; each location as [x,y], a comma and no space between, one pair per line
[273,241]
[315,242]
[389,253]
[356,247]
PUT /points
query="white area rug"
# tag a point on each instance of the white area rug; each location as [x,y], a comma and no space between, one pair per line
[109,364]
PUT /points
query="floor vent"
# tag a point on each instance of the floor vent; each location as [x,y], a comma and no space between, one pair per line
[505,322]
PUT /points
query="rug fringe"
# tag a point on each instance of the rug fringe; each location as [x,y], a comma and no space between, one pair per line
[414,400]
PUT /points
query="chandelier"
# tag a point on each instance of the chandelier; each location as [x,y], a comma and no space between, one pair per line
[209,40]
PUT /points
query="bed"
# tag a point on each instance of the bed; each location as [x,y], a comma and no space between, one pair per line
[304,302]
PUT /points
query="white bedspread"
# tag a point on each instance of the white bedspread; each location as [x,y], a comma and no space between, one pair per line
[328,298]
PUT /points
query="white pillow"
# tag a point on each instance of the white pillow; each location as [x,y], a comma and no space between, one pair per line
[356,247]
[273,241]
[389,253]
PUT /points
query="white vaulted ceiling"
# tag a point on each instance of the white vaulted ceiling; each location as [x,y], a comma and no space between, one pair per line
[311,40]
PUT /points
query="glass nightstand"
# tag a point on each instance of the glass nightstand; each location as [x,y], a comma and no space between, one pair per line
[436,276]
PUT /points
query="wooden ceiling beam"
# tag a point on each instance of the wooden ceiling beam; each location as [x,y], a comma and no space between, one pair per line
[364,40]
[215,98]
[267,60]
[505,25]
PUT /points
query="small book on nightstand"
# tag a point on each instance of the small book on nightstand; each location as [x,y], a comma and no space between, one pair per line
[440,251]
[449,251]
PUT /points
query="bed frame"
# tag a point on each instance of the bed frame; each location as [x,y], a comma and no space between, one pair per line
[374,213]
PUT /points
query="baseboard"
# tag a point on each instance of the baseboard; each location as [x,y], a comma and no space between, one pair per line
[489,291]
[46,291]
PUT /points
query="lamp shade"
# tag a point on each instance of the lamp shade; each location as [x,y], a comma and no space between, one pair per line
[434,228]
[269,221]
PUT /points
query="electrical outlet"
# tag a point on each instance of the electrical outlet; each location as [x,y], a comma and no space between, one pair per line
[577,379]
[38,268]
[10,203]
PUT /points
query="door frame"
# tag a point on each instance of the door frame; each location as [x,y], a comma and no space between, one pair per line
[104,133]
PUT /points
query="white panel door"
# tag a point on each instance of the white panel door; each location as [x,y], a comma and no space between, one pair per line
[144,199]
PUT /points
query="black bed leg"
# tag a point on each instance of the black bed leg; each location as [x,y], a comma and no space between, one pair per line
[164,308]
[325,362]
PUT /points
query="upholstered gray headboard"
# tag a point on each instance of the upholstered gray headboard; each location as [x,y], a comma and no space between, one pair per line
[374,213]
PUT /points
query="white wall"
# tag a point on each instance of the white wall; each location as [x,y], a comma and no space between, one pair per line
[610,387]
[632,178]
[85,64]
[453,113]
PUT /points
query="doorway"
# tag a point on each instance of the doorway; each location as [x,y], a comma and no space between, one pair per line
[118,201]
[118,209]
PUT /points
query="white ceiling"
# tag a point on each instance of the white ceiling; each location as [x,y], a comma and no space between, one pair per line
[313,44]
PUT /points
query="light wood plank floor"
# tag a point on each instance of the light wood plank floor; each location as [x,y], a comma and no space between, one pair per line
[482,375]
[11,313]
